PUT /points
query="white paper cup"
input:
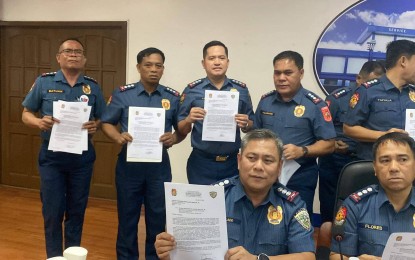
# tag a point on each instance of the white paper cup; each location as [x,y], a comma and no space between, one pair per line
[75,253]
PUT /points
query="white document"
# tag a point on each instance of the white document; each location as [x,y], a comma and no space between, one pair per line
[219,123]
[145,125]
[289,167]
[400,246]
[68,135]
[410,122]
[196,217]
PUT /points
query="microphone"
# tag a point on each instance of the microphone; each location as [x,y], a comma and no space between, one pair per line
[338,235]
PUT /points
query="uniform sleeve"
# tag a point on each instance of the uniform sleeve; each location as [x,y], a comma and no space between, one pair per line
[360,112]
[349,244]
[176,114]
[300,230]
[258,119]
[247,108]
[33,99]
[99,104]
[186,104]
[333,105]
[114,109]
[323,123]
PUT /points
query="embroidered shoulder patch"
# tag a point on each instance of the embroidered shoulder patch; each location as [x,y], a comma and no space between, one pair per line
[271,93]
[91,79]
[126,87]
[371,83]
[195,83]
[239,83]
[49,74]
[303,218]
[357,196]
[313,97]
[172,91]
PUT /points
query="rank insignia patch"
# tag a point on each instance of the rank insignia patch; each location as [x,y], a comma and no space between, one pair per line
[326,113]
[302,217]
[165,103]
[299,111]
[353,100]
[274,215]
[340,216]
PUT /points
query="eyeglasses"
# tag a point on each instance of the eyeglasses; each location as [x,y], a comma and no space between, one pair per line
[76,52]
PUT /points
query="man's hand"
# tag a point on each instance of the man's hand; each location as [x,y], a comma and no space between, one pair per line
[124,138]
[369,257]
[196,114]
[164,244]
[396,130]
[92,127]
[341,147]
[46,123]
[242,121]
[291,152]
[239,253]
[167,139]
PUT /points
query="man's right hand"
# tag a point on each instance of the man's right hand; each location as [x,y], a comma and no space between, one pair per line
[196,114]
[46,123]
[341,147]
[164,244]
[124,138]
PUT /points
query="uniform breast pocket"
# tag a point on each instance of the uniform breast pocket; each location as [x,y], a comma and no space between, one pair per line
[234,232]
[385,113]
[273,244]
[372,241]
[199,102]
[268,120]
[297,123]
[47,105]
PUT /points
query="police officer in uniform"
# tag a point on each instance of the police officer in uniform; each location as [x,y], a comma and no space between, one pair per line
[331,165]
[301,119]
[369,216]
[264,218]
[139,182]
[379,106]
[64,177]
[211,161]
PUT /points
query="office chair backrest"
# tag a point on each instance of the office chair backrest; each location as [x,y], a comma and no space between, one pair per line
[354,176]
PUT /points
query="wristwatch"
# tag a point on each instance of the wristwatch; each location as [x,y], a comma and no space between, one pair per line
[305,150]
[262,256]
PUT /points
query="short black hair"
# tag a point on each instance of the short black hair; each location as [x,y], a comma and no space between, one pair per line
[290,55]
[72,39]
[396,49]
[262,134]
[398,138]
[214,43]
[147,52]
[372,66]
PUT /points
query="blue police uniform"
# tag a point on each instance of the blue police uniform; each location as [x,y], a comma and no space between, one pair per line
[139,182]
[379,105]
[331,165]
[65,177]
[280,225]
[211,161]
[368,219]
[301,121]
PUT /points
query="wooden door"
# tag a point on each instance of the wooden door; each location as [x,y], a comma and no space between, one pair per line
[29,49]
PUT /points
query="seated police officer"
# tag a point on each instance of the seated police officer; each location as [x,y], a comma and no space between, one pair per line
[369,216]
[265,220]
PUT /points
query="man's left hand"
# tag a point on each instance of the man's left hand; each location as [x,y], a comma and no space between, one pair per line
[167,139]
[239,253]
[92,127]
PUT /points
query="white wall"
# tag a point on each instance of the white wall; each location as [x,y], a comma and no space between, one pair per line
[254,31]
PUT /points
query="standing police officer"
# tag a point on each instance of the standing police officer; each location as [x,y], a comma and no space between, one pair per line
[379,106]
[369,216]
[301,119]
[212,161]
[65,178]
[331,165]
[139,182]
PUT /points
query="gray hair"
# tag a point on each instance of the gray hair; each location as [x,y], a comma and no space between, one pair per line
[262,134]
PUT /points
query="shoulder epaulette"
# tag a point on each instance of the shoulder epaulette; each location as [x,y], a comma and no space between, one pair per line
[195,83]
[272,92]
[126,87]
[285,193]
[49,74]
[371,83]
[340,92]
[239,83]
[226,182]
[313,97]
[172,91]
[359,195]
[91,79]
